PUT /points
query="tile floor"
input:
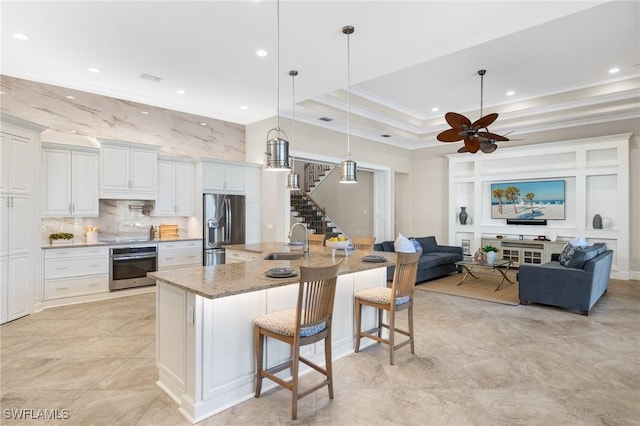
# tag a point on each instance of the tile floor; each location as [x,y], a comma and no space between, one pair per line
[476,363]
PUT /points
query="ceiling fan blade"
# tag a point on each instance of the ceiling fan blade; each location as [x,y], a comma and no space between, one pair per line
[493,136]
[450,135]
[472,144]
[463,149]
[457,121]
[488,147]
[485,121]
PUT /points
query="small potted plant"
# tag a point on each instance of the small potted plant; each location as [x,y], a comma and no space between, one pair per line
[492,253]
[60,237]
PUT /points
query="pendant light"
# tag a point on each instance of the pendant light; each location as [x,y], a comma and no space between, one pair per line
[277,147]
[293,180]
[347,165]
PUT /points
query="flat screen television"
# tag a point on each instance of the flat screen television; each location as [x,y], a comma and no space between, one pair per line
[528,200]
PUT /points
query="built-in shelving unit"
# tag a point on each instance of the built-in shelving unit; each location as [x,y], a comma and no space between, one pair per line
[596,175]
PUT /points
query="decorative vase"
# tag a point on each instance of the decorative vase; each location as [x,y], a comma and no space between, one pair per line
[479,256]
[491,257]
[597,221]
[462,216]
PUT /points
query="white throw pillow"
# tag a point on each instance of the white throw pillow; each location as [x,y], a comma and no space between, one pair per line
[579,242]
[403,244]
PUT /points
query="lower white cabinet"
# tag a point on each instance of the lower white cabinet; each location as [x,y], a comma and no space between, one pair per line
[75,272]
[177,254]
[525,251]
[14,293]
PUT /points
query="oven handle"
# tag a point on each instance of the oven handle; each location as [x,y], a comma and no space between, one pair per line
[127,257]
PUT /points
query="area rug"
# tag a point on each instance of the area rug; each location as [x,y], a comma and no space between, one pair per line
[482,288]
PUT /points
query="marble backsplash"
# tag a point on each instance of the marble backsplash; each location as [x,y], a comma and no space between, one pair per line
[118,218]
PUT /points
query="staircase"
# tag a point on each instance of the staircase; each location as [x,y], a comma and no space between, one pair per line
[305,209]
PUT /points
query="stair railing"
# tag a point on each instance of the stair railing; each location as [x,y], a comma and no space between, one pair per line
[312,174]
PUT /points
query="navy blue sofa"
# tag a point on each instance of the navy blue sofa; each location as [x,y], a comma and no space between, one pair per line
[570,288]
[436,260]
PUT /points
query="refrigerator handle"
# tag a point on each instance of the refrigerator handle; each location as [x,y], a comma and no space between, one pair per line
[227,237]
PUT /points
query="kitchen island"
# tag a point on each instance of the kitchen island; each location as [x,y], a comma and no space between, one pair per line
[205,314]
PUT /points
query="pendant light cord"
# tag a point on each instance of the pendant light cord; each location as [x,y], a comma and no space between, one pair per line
[293,74]
[348,98]
[278,63]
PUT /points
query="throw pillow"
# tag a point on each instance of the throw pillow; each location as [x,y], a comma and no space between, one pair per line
[387,246]
[581,256]
[428,244]
[600,248]
[416,245]
[567,253]
[402,244]
[579,242]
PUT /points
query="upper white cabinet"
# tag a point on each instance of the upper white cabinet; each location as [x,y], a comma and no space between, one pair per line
[223,177]
[69,181]
[176,195]
[127,170]
[14,159]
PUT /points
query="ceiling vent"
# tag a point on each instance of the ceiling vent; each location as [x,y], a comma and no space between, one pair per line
[386,136]
[150,77]
[325,119]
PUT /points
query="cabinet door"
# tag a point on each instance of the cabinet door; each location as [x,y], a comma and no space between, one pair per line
[252,224]
[5,201]
[84,183]
[3,289]
[165,200]
[234,178]
[213,176]
[19,224]
[17,286]
[14,161]
[144,170]
[115,162]
[252,183]
[184,188]
[56,182]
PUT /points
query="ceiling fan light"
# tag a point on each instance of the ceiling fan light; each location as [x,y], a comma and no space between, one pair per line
[348,171]
[293,182]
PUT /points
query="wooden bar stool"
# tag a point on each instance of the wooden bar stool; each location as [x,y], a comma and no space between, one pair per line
[316,239]
[363,243]
[397,298]
[308,322]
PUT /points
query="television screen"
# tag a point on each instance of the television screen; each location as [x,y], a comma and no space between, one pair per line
[541,199]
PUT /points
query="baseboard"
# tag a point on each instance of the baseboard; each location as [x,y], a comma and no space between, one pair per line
[634,275]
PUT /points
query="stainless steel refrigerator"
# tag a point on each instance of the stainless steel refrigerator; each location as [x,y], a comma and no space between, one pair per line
[224,223]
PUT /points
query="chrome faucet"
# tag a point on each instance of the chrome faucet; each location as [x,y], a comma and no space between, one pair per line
[305,249]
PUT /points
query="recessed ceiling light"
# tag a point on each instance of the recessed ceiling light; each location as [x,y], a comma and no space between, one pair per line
[180,92]
[203,124]
[511,93]
[70,97]
[435,109]
[614,70]
[2,92]
[94,69]
[20,36]
[145,112]
[262,53]
[244,107]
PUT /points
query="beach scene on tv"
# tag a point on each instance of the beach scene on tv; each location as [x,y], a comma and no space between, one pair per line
[528,200]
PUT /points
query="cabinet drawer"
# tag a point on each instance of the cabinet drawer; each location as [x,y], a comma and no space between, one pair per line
[170,259]
[179,245]
[55,289]
[234,256]
[60,268]
[77,252]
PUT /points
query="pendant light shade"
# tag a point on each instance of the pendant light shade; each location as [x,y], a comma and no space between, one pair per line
[348,167]
[293,180]
[277,148]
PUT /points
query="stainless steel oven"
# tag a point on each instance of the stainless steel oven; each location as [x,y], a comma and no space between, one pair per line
[130,264]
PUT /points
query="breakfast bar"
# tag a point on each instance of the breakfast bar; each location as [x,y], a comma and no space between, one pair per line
[205,314]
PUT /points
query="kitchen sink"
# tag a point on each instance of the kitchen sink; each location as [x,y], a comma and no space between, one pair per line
[283,256]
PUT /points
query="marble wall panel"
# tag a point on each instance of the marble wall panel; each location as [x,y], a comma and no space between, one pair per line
[79,121]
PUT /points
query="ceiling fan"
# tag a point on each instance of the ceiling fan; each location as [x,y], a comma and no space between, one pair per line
[474,137]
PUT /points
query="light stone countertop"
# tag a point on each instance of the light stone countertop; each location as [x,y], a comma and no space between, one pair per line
[236,278]
[81,244]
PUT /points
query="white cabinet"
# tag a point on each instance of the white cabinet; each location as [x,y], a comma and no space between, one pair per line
[223,177]
[69,181]
[19,215]
[525,251]
[252,191]
[177,254]
[127,170]
[176,196]
[75,272]
[235,256]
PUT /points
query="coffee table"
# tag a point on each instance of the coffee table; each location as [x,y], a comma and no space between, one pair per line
[501,266]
